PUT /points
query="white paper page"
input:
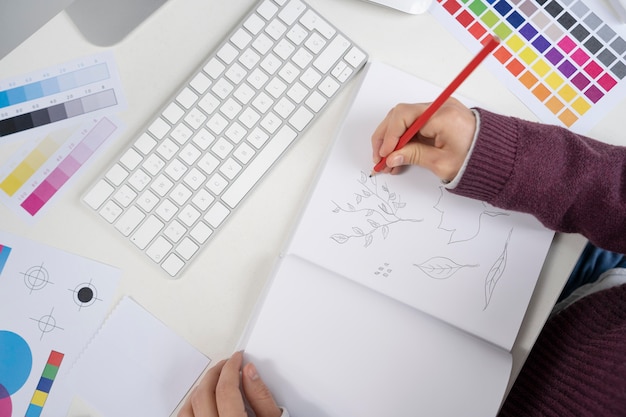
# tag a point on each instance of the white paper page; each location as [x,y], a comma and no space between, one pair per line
[328,347]
[458,259]
[136,366]
[51,304]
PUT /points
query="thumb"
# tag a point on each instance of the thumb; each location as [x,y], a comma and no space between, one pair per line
[414,153]
[258,394]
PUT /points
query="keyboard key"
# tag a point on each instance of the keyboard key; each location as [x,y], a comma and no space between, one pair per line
[327,59]
[187,248]
[159,249]
[253,172]
[98,194]
[216,214]
[172,264]
[146,232]
[129,220]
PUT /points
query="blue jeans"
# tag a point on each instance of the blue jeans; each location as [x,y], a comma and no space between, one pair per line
[592,263]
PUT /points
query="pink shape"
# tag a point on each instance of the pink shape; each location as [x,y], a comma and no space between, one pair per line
[69,166]
[607,82]
[6,408]
[45,190]
[594,94]
[580,57]
[81,153]
[593,69]
[567,44]
[32,204]
[57,178]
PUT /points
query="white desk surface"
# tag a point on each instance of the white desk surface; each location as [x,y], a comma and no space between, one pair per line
[210,305]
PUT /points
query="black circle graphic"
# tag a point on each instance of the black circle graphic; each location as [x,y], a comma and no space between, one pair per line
[85,295]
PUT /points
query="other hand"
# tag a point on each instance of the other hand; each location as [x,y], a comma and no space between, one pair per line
[219,394]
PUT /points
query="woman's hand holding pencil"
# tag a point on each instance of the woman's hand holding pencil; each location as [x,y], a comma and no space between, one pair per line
[441,145]
[403,125]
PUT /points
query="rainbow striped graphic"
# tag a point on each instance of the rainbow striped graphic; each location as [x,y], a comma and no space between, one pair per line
[45,384]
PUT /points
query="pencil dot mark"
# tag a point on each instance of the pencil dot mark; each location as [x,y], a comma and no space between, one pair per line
[384,270]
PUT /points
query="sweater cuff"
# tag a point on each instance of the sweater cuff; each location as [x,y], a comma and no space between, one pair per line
[493,157]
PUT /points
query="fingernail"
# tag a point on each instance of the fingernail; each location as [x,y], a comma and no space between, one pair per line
[396,161]
[252,372]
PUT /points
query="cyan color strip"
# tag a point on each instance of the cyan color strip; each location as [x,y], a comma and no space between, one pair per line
[4,256]
[49,86]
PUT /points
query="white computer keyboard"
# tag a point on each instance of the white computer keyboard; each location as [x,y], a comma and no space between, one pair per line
[176,183]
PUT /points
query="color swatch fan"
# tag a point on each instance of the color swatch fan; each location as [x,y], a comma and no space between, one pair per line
[565,59]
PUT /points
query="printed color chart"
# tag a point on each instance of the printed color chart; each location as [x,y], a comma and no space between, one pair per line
[37,173]
[565,59]
[85,87]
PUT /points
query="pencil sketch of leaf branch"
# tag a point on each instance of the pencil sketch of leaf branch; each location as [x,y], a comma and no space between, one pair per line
[440,267]
[496,271]
[375,203]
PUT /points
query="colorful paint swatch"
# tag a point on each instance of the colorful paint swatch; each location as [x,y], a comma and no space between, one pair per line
[33,161]
[53,85]
[58,112]
[44,386]
[60,95]
[68,166]
[564,59]
[4,256]
[34,179]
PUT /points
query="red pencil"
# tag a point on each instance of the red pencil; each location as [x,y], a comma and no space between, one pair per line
[445,94]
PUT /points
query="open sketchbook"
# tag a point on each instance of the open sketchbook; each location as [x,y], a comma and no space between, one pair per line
[394,296]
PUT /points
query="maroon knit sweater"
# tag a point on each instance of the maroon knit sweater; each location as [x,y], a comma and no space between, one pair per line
[570,183]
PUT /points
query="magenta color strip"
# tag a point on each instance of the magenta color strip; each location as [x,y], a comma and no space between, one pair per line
[32,204]
[567,44]
[68,167]
[593,69]
[607,82]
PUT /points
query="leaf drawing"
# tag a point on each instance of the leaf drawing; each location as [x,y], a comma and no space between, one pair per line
[378,204]
[440,267]
[496,271]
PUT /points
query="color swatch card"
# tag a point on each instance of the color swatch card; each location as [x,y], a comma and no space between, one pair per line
[51,304]
[36,173]
[564,59]
[61,95]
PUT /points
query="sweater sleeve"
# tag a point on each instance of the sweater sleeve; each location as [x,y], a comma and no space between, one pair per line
[570,183]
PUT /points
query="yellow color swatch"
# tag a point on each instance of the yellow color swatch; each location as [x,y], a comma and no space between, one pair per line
[528,55]
[581,105]
[554,80]
[39,398]
[515,43]
[28,166]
